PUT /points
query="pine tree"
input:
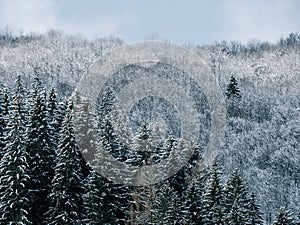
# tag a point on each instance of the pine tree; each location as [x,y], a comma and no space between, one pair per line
[40,147]
[232,90]
[254,215]
[14,170]
[284,217]
[212,212]
[67,184]
[236,200]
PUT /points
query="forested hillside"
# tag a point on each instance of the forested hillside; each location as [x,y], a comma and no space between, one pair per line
[255,179]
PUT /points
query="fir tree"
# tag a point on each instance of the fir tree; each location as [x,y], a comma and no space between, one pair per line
[232,90]
[14,171]
[67,185]
[284,217]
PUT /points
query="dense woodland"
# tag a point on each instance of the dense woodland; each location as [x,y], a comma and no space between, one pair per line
[45,179]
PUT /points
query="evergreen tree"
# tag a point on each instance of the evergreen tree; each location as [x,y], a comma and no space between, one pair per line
[21,102]
[284,217]
[236,200]
[193,198]
[94,201]
[232,90]
[4,114]
[40,147]
[53,117]
[85,127]
[108,137]
[118,196]
[14,171]
[165,206]
[254,216]
[212,212]
[67,185]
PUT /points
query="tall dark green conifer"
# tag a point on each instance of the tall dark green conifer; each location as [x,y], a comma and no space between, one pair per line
[233,90]
[284,217]
[4,115]
[236,200]
[66,206]
[53,117]
[254,215]
[14,169]
[94,201]
[212,212]
[40,147]
[165,206]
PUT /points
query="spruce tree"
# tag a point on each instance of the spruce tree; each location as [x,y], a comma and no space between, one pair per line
[94,198]
[68,183]
[85,127]
[4,114]
[53,117]
[40,147]
[212,209]
[233,90]
[236,200]
[284,217]
[14,170]
[254,215]
[193,198]
[165,206]
[118,196]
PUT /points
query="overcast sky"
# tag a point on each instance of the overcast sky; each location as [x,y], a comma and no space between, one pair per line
[180,21]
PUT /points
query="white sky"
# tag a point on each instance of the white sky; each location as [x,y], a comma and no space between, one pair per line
[180,21]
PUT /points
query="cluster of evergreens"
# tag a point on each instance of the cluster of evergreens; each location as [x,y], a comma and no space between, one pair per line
[46,180]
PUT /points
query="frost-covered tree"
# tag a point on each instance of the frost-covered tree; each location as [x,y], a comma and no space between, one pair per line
[236,200]
[94,198]
[165,206]
[14,170]
[193,198]
[254,215]
[4,113]
[233,90]
[108,137]
[40,148]
[284,217]
[20,100]
[212,211]
[85,127]
[66,196]
[53,116]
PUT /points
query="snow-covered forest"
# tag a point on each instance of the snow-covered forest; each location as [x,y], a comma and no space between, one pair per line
[45,179]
